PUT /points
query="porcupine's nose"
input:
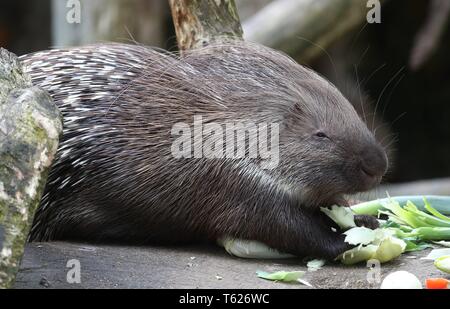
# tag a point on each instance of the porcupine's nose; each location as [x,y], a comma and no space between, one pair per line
[373,165]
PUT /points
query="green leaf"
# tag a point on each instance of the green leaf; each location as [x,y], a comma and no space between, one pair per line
[405,214]
[284,276]
[358,254]
[389,249]
[415,243]
[412,245]
[425,219]
[394,219]
[343,216]
[430,233]
[441,203]
[434,211]
[389,223]
[360,235]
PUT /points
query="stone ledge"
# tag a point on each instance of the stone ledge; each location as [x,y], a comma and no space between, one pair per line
[106,266]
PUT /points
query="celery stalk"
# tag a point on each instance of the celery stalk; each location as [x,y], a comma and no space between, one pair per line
[435,212]
[430,233]
[440,202]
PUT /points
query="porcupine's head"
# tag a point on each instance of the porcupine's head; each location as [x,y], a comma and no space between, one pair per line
[326,150]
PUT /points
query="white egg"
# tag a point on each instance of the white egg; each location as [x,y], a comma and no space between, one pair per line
[401,280]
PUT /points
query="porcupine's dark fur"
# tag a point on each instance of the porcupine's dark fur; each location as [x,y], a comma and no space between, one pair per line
[115,177]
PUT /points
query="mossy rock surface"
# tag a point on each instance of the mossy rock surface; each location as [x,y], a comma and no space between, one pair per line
[30,127]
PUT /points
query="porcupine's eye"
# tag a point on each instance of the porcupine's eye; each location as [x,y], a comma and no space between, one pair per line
[320,134]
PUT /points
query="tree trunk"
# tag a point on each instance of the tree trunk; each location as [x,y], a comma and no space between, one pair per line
[198,22]
[30,126]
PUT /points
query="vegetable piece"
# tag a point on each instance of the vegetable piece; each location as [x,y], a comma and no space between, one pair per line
[437,253]
[426,233]
[360,236]
[434,211]
[436,283]
[304,282]
[414,245]
[407,229]
[251,249]
[343,216]
[368,208]
[443,243]
[414,225]
[425,219]
[443,263]
[382,245]
[409,214]
[315,265]
[440,202]
[372,244]
[358,254]
[389,249]
[401,280]
[283,276]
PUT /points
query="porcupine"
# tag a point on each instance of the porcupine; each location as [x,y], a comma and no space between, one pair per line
[115,178]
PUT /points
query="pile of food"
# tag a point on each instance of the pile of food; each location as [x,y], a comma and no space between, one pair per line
[407,227]
[411,222]
[408,223]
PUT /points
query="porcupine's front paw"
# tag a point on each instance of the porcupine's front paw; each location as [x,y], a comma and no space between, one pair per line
[367,221]
[334,247]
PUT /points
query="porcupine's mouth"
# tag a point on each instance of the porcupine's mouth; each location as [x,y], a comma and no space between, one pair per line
[314,197]
[324,200]
[338,199]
